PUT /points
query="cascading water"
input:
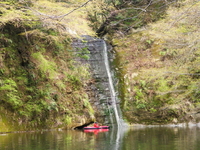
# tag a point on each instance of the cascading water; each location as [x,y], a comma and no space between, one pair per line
[112,90]
[106,98]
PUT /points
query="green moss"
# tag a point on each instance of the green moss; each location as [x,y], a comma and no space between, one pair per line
[47,68]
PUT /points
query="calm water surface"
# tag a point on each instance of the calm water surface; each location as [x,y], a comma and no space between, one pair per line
[148,138]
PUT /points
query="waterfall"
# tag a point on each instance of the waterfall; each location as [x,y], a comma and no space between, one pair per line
[111,85]
[105,94]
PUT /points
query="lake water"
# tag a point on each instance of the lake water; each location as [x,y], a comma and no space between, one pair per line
[135,138]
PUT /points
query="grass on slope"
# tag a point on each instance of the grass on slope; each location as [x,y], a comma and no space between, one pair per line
[161,64]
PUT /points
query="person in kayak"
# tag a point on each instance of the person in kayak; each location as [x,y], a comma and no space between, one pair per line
[96,125]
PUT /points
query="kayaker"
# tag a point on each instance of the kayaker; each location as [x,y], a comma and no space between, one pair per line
[96,125]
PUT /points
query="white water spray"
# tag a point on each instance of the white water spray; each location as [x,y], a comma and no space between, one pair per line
[112,90]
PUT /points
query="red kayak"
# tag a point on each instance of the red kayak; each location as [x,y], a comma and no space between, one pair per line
[96,128]
[96,131]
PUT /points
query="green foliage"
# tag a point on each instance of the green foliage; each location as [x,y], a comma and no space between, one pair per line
[168,54]
[183,29]
[8,84]
[1,72]
[47,68]
[11,95]
[193,92]
[138,94]
[87,104]
[75,81]
[83,53]
[140,105]
[68,120]
[162,85]
[79,75]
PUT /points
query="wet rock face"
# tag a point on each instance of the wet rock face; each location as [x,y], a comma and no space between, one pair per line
[89,51]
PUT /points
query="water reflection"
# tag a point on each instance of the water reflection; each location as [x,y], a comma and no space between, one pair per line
[163,138]
[149,138]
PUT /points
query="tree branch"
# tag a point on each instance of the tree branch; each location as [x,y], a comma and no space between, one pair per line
[142,10]
[61,16]
[190,74]
[181,16]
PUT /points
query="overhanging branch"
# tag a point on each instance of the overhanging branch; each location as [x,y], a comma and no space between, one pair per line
[61,16]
